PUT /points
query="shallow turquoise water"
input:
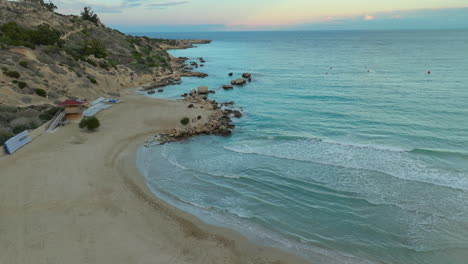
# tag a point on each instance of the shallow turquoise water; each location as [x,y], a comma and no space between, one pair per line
[348,152]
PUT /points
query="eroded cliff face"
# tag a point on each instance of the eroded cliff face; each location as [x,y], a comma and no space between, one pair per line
[47,57]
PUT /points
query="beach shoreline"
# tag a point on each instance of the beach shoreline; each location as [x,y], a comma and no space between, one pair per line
[78,197]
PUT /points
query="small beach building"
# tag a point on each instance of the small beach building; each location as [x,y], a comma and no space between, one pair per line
[73,110]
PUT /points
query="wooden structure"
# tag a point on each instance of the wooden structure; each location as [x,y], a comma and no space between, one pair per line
[73,110]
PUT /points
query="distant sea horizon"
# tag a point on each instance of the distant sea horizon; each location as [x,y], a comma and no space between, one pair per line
[353,147]
[175,33]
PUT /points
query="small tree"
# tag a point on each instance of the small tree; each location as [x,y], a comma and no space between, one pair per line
[49,6]
[94,47]
[91,123]
[185,121]
[89,15]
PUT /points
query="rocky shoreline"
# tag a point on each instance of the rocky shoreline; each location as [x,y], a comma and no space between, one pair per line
[220,122]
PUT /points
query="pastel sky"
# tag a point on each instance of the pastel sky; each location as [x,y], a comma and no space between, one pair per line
[221,15]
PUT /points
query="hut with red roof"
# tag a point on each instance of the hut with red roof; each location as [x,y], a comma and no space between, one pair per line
[73,110]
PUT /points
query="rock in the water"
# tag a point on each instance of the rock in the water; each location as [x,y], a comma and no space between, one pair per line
[151,92]
[193,92]
[160,90]
[247,75]
[239,81]
[231,74]
[203,90]
[228,87]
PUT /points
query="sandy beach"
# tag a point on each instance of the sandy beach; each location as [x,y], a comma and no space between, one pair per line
[77,197]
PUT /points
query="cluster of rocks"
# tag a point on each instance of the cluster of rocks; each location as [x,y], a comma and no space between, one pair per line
[238,82]
[186,70]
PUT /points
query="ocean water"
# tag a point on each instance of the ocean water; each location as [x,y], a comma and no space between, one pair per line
[348,151]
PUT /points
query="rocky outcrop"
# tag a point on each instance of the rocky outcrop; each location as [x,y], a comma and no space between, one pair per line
[219,122]
[194,74]
[162,82]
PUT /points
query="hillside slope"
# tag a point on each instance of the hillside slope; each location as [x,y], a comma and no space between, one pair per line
[47,57]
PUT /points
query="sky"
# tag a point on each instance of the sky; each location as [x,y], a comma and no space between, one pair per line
[239,15]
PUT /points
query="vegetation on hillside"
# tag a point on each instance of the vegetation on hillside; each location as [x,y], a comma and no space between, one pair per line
[58,57]
[14,120]
[13,34]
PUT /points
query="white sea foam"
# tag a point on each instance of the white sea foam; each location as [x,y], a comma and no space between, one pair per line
[395,162]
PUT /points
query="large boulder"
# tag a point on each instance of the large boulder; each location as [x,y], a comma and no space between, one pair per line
[203,90]
[247,75]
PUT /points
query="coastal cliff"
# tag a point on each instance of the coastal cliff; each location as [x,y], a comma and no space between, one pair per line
[46,57]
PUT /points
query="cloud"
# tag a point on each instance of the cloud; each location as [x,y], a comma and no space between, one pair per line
[167,4]
[75,7]
[441,18]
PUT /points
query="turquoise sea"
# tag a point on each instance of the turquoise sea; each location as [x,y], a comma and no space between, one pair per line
[348,151]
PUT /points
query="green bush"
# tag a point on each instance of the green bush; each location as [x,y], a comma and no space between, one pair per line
[41,92]
[21,85]
[91,79]
[90,47]
[23,64]
[4,136]
[12,74]
[49,114]
[90,123]
[185,121]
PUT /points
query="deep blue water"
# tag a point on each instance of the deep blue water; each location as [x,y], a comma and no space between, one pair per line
[348,151]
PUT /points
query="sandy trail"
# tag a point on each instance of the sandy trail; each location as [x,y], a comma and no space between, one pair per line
[77,197]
